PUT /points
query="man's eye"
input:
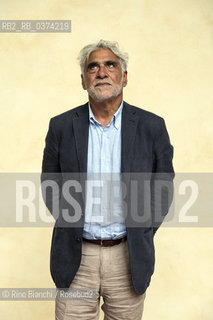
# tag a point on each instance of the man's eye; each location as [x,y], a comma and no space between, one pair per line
[111,64]
[92,67]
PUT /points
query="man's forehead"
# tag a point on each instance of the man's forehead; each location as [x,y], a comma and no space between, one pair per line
[102,55]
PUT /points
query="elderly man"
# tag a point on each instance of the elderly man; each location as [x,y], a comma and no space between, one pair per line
[114,257]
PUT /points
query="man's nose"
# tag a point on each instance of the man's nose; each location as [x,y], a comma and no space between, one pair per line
[102,72]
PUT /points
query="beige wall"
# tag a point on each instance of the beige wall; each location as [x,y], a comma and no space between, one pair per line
[170,44]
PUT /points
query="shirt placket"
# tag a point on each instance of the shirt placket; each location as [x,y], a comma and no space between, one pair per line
[105,155]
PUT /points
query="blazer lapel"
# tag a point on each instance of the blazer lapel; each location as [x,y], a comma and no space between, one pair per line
[129,126]
[81,129]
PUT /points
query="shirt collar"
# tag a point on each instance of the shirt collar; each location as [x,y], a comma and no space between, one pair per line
[116,118]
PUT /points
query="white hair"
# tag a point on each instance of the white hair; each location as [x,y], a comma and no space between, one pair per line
[103,44]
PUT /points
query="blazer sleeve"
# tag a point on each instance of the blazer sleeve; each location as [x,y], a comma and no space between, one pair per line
[51,171]
[162,177]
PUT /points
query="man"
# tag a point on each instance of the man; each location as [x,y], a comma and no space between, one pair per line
[115,256]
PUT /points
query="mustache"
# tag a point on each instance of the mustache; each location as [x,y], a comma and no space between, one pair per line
[96,83]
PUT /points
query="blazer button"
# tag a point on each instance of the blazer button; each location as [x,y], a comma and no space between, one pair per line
[78,239]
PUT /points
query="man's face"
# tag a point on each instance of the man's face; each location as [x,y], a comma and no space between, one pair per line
[103,77]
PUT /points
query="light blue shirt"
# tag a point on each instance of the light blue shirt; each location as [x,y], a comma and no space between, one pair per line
[103,211]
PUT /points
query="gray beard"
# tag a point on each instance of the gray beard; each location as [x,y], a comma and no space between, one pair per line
[96,96]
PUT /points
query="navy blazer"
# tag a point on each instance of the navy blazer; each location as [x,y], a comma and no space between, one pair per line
[145,149]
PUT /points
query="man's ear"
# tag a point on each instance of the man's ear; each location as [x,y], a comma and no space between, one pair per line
[83,82]
[124,78]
